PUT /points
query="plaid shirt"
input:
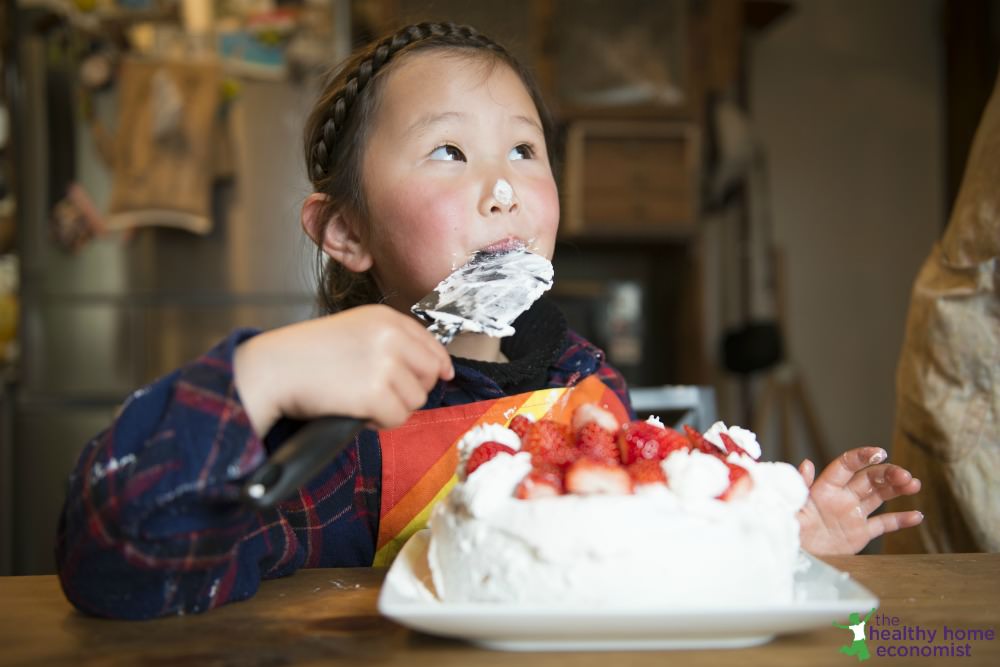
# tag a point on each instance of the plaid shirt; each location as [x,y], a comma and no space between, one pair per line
[149,527]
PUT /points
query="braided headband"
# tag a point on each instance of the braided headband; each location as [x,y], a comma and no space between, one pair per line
[358,79]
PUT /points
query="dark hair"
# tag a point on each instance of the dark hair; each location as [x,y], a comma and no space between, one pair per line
[336,134]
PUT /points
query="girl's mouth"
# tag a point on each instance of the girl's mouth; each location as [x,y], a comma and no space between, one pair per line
[504,245]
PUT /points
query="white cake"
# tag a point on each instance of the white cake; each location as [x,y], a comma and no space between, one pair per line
[651,544]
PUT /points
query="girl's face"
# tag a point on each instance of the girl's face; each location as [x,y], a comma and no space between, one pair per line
[447,130]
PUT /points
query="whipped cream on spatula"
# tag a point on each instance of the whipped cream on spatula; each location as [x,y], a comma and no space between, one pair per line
[486,294]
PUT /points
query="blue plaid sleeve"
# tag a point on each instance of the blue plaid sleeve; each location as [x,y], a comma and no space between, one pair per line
[149,526]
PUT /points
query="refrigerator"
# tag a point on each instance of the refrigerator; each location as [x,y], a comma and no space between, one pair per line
[102,321]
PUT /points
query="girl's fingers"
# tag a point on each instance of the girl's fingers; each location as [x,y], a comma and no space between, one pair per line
[892,521]
[808,472]
[390,411]
[405,394]
[434,352]
[422,365]
[409,390]
[841,471]
[879,484]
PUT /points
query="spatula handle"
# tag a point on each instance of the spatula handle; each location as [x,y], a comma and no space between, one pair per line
[299,459]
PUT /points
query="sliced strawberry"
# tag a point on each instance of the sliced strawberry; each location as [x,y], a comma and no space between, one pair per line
[646,472]
[520,424]
[676,441]
[699,442]
[590,413]
[588,476]
[731,445]
[548,443]
[542,483]
[740,482]
[640,440]
[595,442]
[484,453]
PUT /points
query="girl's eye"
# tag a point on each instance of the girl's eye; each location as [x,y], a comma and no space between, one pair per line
[447,152]
[522,152]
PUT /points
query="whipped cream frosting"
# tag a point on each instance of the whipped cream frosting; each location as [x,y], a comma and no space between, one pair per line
[662,546]
[743,437]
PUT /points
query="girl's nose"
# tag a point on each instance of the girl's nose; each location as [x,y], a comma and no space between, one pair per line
[501,199]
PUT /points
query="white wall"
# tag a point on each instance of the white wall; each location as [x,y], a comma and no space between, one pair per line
[846,95]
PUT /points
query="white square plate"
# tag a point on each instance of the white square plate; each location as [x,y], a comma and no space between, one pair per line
[823,595]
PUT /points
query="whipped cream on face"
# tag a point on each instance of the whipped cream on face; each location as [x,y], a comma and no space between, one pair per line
[503,192]
[745,438]
[484,433]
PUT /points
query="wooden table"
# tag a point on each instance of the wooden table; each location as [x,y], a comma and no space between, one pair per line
[330,616]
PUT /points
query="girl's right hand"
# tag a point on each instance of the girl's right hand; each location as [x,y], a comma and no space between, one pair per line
[370,362]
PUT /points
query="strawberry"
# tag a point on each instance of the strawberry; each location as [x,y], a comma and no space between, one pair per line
[731,445]
[548,443]
[589,413]
[645,471]
[520,424]
[699,442]
[639,440]
[593,441]
[588,476]
[540,483]
[675,441]
[740,482]
[484,453]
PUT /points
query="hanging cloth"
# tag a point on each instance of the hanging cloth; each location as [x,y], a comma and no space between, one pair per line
[163,159]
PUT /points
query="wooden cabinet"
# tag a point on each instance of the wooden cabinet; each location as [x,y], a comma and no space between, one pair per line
[631,179]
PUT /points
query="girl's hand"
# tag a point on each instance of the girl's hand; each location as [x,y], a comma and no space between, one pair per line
[370,362]
[835,518]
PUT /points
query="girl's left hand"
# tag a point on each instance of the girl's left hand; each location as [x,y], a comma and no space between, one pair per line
[835,518]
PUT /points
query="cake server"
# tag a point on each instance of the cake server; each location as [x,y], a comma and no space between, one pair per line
[484,295]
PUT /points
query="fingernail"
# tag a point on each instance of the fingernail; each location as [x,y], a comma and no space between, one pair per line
[921,515]
[878,457]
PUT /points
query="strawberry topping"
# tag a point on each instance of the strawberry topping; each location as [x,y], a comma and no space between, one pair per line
[589,476]
[646,472]
[484,453]
[540,483]
[589,413]
[520,424]
[731,445]
[548,443]
[740,482]
[640,440]
[595,442]
[699,442]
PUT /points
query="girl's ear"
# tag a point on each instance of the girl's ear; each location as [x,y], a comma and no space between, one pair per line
[335,235]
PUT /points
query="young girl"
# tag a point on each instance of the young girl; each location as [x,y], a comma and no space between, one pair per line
[428,146]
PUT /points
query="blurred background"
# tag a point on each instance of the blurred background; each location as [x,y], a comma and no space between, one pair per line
[748,190]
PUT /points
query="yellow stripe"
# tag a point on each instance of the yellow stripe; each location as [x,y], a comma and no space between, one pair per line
[388,553]
[540,402]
